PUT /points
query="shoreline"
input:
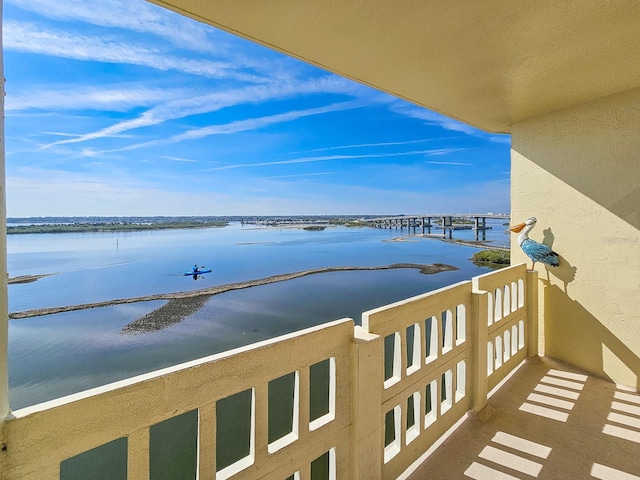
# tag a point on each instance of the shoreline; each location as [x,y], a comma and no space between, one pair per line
[426,269]
[27,278]
[466,243]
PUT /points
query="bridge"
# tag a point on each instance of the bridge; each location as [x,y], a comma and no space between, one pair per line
[444,221]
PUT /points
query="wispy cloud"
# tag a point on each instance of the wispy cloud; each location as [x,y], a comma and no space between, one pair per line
[112,98]
[179,159]
[368,145]
[28,38]
[256,123]
[502,138]
[245,125]
[75,135]
[327,158]
[124,16]
[435,118]
[452,163]
[432,118]
[303,175]
[188,104]
[134,16]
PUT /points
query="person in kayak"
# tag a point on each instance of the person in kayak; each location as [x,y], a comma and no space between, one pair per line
[195,268]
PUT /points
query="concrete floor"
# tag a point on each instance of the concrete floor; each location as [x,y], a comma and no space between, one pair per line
[549,421]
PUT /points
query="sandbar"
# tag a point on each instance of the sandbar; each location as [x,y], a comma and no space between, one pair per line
[27,278]
[427,269]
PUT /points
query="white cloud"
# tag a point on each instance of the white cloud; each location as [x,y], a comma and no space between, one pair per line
[187,104]
[326,158]
[27,38]
[131,15]
[462,164]
[448,123]
[256,123]
[244,125]
[368,145]
[179,159]
[111,98]
[303,175]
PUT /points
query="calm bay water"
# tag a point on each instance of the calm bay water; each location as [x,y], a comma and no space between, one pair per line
[55,355]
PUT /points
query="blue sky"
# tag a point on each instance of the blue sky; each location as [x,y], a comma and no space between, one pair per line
[124,108]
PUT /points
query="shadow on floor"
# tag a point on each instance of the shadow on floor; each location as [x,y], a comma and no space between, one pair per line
[549,421]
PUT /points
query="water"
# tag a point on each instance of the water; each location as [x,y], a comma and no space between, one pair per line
[55,355]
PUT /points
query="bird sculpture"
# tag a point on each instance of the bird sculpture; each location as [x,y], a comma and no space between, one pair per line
[537,252]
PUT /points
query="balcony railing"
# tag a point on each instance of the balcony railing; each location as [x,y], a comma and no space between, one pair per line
[332,401]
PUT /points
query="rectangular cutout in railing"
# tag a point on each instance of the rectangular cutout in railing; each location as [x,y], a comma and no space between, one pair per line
[497,307]
[322,393]
[413,417]
[413,348]
[324,467]
[514,340]
[430,402]
[507,345]
[284,401]
[446,391]
[106,462]
[461,324]
[235,433]
[173,448]
[392,433]
[447,331]
[520,293]
[521,334]
[490,358]
[392,360]
[506,301]
[498,353]
[461,380]
[431,339]
[490,315]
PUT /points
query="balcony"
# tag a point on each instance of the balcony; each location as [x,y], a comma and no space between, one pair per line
[342,401]
[549,421]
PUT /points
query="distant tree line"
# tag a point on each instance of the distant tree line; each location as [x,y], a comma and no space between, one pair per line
[110,227]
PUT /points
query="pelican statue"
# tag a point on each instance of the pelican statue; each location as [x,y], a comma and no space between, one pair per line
[537,252]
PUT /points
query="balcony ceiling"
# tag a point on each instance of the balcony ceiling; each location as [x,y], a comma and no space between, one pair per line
[489,63]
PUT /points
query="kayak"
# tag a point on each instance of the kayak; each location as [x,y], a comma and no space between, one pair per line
[198,272]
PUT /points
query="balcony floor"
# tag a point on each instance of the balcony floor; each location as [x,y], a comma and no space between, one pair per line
[550,422]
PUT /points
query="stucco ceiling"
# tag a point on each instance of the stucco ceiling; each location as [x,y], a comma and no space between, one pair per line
[489,63]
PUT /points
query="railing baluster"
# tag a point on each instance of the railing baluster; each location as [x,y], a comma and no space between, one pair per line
[480,333]
[138,455]
[531,303]
[207,442]
[367,370]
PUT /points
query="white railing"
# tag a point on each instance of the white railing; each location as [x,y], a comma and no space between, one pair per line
[506,320]
[443,352]
[332,401]
[426,353]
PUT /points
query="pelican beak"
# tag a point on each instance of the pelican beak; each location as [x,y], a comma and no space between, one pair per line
[518,228]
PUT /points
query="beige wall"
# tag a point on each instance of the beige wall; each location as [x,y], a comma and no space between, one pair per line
[578,171]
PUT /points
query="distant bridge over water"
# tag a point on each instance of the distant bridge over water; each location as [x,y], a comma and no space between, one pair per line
[441,221]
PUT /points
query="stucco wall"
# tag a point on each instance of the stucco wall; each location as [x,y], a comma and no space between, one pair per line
[578,171]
